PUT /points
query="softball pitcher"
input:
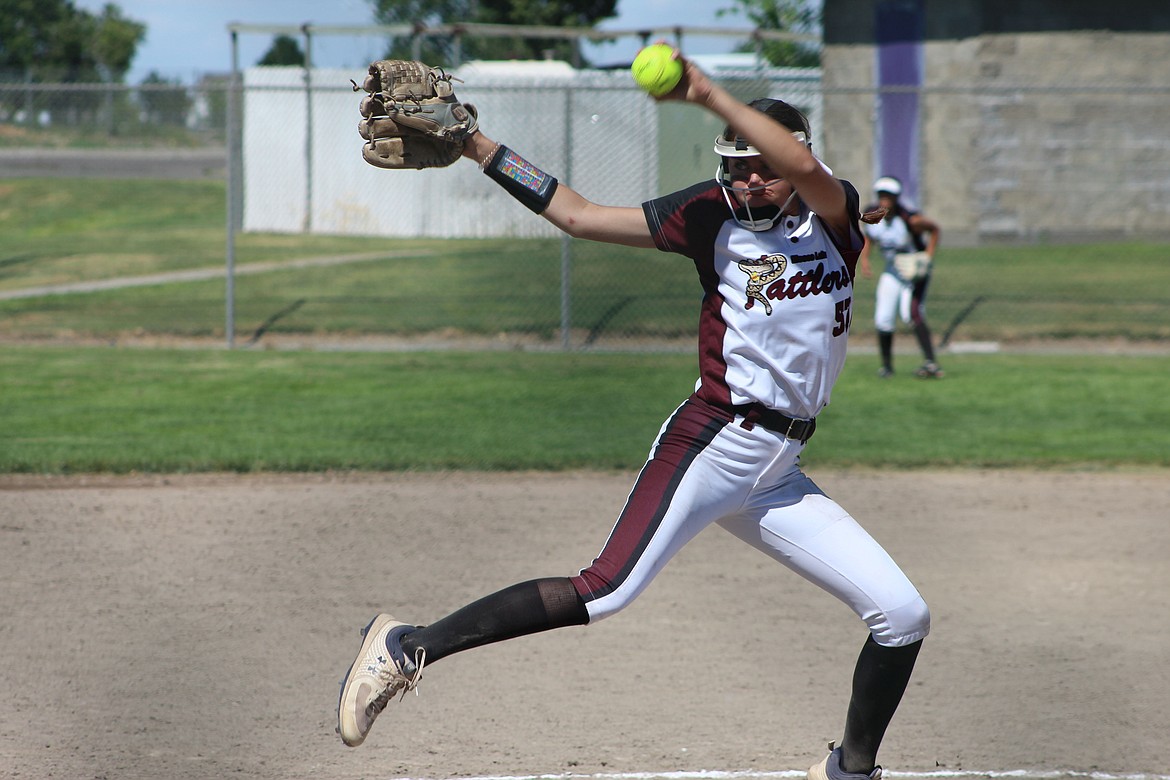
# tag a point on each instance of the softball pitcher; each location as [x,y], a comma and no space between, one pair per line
[774,240]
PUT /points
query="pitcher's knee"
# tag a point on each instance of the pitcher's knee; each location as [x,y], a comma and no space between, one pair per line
[601,595]
[904,625]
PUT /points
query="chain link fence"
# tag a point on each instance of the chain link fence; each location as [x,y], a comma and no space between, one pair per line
[483,270]
[87,115]
[594,130]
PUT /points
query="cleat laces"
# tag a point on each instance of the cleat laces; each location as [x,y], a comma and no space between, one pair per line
[395,680]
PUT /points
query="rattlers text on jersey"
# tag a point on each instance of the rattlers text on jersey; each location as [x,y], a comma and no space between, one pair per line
[777,303]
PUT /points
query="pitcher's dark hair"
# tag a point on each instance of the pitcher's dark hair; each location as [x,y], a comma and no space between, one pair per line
[789,116]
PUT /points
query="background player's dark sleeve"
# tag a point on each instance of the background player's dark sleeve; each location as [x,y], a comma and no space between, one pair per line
[686,222]
[906,214]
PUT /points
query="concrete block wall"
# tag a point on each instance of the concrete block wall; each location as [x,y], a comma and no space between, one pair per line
[1025,136]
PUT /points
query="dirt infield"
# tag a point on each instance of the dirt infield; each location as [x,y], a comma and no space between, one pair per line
[197,627]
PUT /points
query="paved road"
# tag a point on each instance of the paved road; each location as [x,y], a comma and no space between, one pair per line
[209,163]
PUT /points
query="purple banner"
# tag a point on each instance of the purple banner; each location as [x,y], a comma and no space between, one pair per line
[899,31]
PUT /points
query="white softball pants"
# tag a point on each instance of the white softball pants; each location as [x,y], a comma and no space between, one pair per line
[894,298]
[703,470]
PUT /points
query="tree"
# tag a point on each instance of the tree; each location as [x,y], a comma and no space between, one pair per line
[284,51]
[796,16]
[29,35]
[114,42]
[549,13]
[51,40]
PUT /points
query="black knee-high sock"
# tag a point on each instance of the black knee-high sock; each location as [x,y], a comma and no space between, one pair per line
[525,608]
[886,347]
[922,331]
[879,680]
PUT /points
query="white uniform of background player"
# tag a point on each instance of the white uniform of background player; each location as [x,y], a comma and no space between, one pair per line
[892,236]
[773,328]
[902,230]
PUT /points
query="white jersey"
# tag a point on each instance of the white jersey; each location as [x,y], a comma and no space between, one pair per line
[774,323]
[893,236]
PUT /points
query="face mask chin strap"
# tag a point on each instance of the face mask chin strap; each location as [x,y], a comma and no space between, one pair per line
[757,225]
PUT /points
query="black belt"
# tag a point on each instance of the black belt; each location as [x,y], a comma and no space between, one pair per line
[801,430]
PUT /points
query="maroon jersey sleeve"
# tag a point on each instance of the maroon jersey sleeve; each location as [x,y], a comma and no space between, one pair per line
[851,250]
[686,222]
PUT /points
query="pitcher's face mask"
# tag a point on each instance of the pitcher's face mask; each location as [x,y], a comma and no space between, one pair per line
[741,180]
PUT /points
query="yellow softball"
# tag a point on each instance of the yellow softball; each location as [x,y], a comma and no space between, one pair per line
[655,70]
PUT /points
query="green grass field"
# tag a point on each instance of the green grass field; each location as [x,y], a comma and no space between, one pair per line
[67,409]
[60,232]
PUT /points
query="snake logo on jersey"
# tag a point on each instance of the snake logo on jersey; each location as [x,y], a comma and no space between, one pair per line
[760,271]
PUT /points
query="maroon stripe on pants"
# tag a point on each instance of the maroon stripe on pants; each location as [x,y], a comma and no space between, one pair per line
[689,431]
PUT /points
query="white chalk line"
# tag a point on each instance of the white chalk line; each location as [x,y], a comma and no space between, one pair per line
[203,274]
[792,774]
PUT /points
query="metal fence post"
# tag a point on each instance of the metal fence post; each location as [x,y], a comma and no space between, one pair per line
[233,185]
[307,222]
[566,241]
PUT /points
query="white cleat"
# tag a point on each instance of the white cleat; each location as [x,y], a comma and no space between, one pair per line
[829,768]
[380,671]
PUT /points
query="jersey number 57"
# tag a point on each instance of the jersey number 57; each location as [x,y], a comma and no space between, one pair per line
[844,317]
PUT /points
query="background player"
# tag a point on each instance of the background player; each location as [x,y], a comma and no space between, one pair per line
[902,230]
[729,453]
